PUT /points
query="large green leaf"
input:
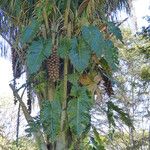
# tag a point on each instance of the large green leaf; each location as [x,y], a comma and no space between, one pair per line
[100,46]
[111,54]
[79,54]
[50,118]
[38,51]
[73,78]
[30,31]
[79,111]
[94,38]
[64,47]
[112,28]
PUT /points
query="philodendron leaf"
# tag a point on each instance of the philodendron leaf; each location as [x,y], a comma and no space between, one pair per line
[100,46]
[30,31]
[73,78]
[79,111]
[50,117]
[111,55]
[38,51]
[64,47]
[79,54]
[112,28]
[94,39]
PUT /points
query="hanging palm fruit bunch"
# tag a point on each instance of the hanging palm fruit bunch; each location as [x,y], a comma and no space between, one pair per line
[53,65]
[16,68]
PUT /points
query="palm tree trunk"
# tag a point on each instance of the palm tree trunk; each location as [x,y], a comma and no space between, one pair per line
[63,141]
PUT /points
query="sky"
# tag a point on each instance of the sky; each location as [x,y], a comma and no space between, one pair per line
[5,76]
[141,9]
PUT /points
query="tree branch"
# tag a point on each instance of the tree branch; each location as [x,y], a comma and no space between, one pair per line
[38,134]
